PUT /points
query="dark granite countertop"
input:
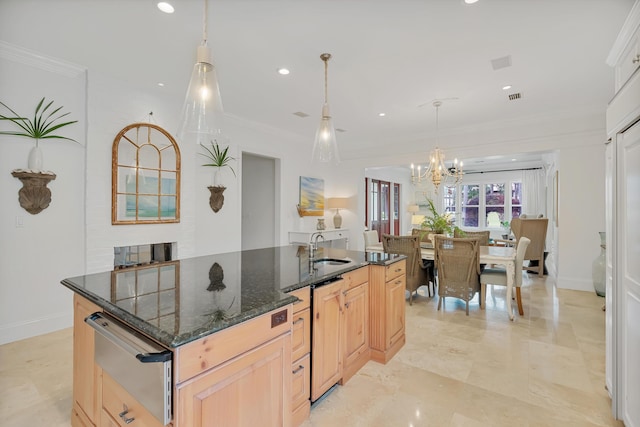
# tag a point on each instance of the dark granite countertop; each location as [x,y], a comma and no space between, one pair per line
[176,302]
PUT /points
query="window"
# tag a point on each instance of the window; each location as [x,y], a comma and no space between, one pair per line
[494,200]
[472,203]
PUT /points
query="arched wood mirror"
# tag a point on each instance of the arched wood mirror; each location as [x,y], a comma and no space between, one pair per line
[145,178]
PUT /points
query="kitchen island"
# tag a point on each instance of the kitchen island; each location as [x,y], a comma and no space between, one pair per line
[237,330]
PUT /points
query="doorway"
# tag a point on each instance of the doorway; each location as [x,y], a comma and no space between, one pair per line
[260,201]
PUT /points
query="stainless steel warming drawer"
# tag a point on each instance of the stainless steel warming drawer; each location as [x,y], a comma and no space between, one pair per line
[139,365]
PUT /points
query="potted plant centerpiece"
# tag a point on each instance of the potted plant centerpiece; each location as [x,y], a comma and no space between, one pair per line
[439,224]
[219,158]
[46,120]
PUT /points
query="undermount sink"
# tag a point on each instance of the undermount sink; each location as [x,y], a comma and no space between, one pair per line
[331,261]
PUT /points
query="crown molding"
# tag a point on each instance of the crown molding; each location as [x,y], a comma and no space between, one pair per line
[35,59]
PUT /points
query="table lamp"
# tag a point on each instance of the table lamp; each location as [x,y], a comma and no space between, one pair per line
[337,203]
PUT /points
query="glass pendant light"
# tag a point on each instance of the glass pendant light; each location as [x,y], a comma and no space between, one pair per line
[325,147]
[202,114]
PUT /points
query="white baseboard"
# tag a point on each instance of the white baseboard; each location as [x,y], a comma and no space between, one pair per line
[34,327]
[574,284]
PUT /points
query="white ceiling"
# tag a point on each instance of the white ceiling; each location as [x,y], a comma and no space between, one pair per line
[391,56]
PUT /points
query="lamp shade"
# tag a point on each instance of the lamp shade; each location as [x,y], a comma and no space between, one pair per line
[417,219]
[202,113]
[413,208]
[338,203]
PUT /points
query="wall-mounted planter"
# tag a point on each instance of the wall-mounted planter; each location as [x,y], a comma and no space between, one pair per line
[34,196]
[217,198]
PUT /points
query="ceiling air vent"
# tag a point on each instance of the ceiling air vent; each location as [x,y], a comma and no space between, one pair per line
[515,96]
[300,114]
[340,130]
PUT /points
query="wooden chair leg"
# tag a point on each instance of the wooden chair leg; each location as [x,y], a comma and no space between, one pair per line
[467,307]
[541,267]
[483,295]
[519,299]
[440,302]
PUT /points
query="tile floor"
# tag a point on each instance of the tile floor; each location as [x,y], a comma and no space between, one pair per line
[544,369]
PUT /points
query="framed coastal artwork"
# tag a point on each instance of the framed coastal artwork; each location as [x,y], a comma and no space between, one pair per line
[311,196]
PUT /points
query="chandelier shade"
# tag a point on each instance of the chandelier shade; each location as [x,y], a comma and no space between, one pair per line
[325,146]
[202,116]
[437,171]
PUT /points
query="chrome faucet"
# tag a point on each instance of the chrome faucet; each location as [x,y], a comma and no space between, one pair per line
[313,243]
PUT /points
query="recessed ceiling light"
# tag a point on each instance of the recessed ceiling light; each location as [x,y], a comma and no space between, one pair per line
[470,1]
[506,87]
[513,160]
[165,7]
[160,84]
[283,71]
[382,114]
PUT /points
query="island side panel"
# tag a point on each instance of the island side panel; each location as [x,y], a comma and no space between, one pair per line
[387,310]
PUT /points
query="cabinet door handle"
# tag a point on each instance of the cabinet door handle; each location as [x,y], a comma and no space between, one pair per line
[301,319]
[298,369]
[124,413]
[636,59]
[347,304]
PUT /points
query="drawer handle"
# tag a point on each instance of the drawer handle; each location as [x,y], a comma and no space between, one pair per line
[124,413]
[397,269]
[298,369]
[636,59]
[398,281]
[301,319]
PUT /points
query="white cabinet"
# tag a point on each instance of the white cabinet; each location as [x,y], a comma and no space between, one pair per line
[336,238]
[622,218]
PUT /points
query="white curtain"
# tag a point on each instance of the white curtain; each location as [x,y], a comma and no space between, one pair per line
[535,192]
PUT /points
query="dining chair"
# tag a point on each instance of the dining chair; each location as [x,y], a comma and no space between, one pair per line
[498,276]
[493,220]
[457,261]
[535,229]
[371,241]
[423,233]
[482,236]
[418,272]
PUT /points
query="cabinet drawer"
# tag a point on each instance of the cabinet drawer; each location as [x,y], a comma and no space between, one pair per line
[301,334]
[114,401]
[356,277]
[300,381]
[304,295]
[394,270]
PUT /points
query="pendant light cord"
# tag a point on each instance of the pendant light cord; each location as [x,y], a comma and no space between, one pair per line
[326,72]
[204,23]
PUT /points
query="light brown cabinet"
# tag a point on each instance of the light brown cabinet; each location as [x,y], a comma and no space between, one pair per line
[340,330]
[356,322]
[328,333]
[240,376]
[250,390]
[387,310]
[301,356]
[86,373]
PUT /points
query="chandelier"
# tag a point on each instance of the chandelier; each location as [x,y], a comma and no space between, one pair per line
[437,171]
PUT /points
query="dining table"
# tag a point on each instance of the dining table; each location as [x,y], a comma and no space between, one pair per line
[500,255]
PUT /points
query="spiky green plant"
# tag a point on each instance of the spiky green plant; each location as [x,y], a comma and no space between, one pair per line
[219,157]
[44,122]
